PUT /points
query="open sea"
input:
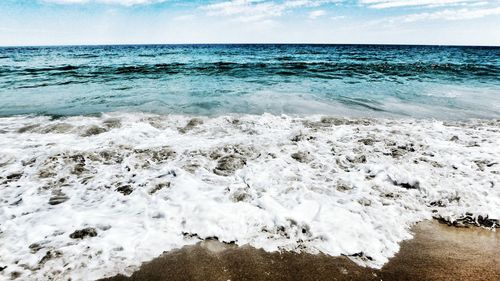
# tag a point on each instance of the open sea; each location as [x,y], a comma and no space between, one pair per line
[344,80]
[112,155]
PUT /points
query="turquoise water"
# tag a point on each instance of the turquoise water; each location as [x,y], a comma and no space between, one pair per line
[345,80]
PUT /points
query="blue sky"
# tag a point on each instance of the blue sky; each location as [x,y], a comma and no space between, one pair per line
[63,22]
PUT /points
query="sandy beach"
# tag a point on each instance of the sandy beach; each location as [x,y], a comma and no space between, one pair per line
[437,252]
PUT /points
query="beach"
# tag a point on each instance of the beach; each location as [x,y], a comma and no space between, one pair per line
[437,252]
[294,155]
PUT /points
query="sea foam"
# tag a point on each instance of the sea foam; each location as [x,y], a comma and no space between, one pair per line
[90,197]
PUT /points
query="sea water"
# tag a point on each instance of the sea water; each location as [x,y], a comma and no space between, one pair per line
[111,155]
[343,80]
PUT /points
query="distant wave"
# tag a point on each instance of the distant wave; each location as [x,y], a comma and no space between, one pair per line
[322,70]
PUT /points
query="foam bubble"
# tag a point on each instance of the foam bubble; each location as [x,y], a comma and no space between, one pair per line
[84,203]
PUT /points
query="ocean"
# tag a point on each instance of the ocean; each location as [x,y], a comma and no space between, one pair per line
[112,155]
[344,80]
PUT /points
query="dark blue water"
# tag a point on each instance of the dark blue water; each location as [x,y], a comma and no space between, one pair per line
[347,80]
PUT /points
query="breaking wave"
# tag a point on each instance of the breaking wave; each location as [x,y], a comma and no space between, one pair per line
[90,197]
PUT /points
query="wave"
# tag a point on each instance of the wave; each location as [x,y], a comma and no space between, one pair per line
[322,70]
[360,102]
[79,194]
[43,70]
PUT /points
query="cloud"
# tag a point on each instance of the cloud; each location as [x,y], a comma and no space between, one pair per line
[382,4]
[338,17]
[458,14]
[316,14]
[188,17]
[254,10]
[111,2]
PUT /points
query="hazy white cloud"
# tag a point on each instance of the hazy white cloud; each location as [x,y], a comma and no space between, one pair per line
[111,2]
[267,21]
[316,14]
[246,10]
[187,17]
[253,10]
[277,7]
[457,14]
[338,17]
[381,4]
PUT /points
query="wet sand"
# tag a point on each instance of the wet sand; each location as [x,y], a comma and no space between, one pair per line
[437,252]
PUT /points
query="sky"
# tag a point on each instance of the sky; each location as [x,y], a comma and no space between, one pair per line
[88,22]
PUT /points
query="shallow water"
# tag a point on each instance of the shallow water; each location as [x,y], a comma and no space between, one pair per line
[341,80]
[90,197]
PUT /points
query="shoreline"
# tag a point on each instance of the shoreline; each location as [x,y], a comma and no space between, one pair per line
[437,252]
[356,115]
[86,198]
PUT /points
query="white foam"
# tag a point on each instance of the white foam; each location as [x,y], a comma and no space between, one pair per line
[347,197]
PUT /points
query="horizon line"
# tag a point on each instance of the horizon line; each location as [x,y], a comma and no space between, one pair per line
[235,44]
